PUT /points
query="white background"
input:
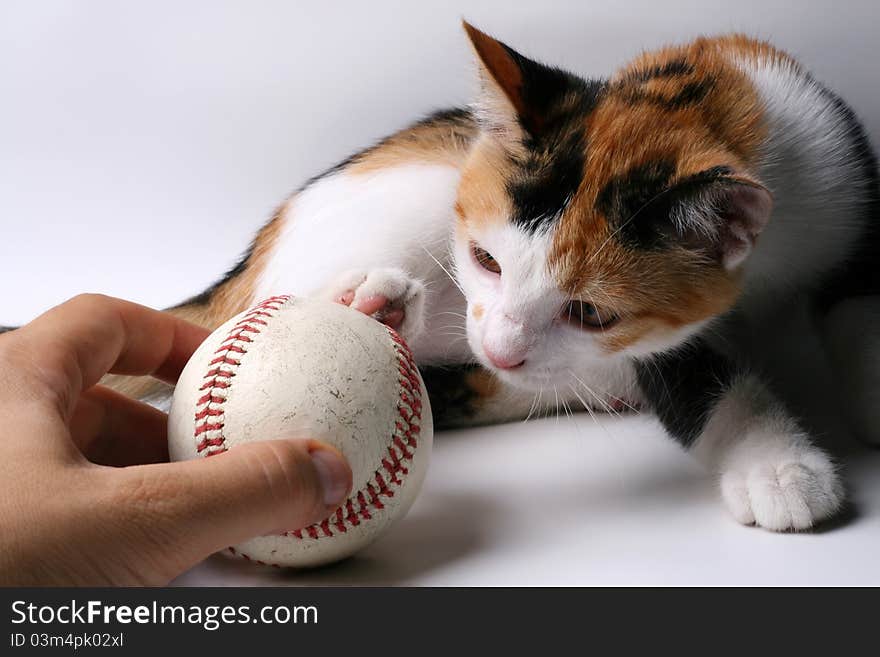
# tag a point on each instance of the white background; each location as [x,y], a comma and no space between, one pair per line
[142,144]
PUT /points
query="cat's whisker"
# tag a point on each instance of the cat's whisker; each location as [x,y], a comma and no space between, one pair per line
[556,393]
[457,327]
[543,409]
[532,407]
[445,271]
[589,410]
[605,405]
[632,409]
[587,406]
[592,301]
[599,290]
[462,334]
[567,409]
[539,400]
[458,338]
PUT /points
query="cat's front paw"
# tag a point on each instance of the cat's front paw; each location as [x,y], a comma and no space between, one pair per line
[785,489]
[390,295]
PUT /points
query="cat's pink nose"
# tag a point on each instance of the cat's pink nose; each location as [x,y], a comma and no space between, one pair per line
[504,361]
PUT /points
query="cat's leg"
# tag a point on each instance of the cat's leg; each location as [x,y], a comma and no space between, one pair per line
[851,331]
[388,294]
[771,474]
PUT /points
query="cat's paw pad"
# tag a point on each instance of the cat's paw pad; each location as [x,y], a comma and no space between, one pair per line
[390,295]
[789,493]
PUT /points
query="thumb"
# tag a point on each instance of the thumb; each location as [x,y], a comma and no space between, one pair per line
[254,489]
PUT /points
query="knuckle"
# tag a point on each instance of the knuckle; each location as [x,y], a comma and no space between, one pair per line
[93,304]
[90,299]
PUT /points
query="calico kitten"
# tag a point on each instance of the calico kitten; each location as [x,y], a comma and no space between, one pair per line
[608,243]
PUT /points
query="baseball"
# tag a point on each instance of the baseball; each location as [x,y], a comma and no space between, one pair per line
[301,368]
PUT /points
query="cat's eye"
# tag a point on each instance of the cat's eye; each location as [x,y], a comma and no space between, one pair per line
[587,316]
[485,259]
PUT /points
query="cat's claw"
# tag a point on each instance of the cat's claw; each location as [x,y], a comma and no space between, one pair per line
[390,295]
[793,493]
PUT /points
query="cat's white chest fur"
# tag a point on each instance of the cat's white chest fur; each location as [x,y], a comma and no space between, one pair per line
[399,217]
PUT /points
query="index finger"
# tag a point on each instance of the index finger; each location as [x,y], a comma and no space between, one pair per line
[74,344]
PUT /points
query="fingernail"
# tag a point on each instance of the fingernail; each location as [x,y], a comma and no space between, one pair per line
[334,475]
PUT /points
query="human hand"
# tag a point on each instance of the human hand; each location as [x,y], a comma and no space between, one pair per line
[87,495]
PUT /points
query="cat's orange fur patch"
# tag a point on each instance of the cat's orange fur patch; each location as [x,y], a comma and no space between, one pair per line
[637,122]
[445,142]
[482,192]
[728,114]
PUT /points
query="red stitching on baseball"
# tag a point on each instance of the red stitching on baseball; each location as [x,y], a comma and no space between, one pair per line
[224,360]
[223,374]
[210,440]
[206,412]
[209,424]
[237,336]
[209,397]
[205,428]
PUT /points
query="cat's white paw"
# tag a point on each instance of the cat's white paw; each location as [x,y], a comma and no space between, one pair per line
[792,488]
[390,295]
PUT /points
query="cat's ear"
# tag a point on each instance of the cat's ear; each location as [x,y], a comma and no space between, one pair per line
[514,90]
[725,217]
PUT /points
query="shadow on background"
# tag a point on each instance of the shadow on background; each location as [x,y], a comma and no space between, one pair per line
[450,528]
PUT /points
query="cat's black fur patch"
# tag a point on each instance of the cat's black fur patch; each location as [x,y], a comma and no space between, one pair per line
[633,202]
[683,386]
[691,93]
[639,203]
[544,88]
[555,142]
[545,183]
[671,69]
[453,401]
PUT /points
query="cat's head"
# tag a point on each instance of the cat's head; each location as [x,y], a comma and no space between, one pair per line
[601,220]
